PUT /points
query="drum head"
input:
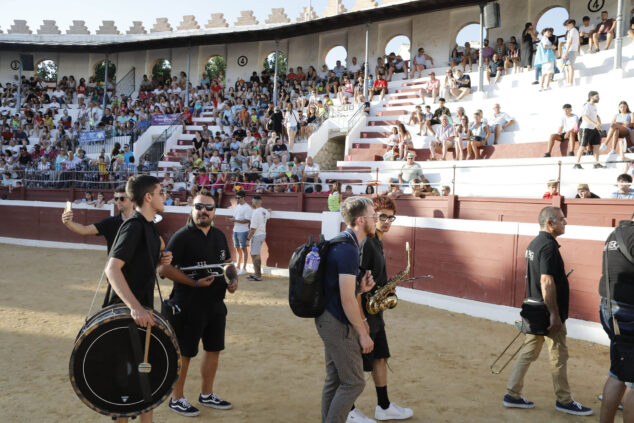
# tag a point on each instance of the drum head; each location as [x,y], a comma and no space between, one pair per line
[104,366]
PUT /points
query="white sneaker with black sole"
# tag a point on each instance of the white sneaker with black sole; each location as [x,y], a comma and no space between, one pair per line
[183,407]
[393,412]
[214,401]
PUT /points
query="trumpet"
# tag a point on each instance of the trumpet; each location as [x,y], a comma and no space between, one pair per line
[196,271]
[384,297]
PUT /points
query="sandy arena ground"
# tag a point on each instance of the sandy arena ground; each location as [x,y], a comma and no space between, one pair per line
[272,369]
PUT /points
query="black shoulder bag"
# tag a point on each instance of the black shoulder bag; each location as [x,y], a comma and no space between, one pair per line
[534,313]
[623,367]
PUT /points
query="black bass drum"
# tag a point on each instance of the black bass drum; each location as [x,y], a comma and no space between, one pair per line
[105,360]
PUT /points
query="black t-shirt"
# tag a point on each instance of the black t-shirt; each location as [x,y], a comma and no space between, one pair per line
[198,144]
[543,258]
[621,270]
[140,259]
[191,247]
[373,259]
[108,228]
[279,148]
[464,81]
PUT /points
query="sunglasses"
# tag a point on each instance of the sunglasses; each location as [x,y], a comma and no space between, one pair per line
[208,207]
[122,199]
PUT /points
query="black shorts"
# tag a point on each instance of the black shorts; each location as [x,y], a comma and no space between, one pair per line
[381,350]
[377,91]
[194,324]
[590,136]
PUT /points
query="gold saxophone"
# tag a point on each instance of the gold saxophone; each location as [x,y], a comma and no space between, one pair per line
[384,298]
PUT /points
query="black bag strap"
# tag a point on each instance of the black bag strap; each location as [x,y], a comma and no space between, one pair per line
[606,275]
[618,233]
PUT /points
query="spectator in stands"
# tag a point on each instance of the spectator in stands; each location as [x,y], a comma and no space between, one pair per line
[499,122]
[630,31]
[398,65]
[393,139]
[416,118]
[620,132]
[410,170]
[334,198]
[604,31]
[553,190]
[432,88]
[379,87]
[445,190]
[391,153]
[462,137]
[457,56]
[571,49]
[369,190]
[624,181]
[463,85]
[568,129]
[479,134]
[444,138]
[487,52]
[512,58]
[422,61]
[545,58]
[590,130]
[448,84]
[404,141]
[528,38]
[583,191]
[394,190]
[585,33]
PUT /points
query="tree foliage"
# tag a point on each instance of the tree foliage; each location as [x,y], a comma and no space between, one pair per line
[215,66]
[100,71]
[47,71]
[282,63]
[162,71]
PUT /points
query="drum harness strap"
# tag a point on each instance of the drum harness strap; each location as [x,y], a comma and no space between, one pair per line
[135,341]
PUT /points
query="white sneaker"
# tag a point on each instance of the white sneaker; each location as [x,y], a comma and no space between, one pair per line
[357,416]
[242,271]
[393,412]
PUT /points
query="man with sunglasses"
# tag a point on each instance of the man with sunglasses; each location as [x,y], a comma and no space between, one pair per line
[107,227]
[201,299]
[373,259]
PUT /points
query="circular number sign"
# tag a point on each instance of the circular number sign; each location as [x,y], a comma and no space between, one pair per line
[15,64]
[242,60]
[595,5]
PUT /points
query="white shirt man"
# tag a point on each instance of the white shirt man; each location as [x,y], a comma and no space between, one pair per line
[354,67]
[241,219]
[257,235]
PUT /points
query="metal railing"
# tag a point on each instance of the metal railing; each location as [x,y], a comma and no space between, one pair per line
[96,146]
[126,85]
[156,151]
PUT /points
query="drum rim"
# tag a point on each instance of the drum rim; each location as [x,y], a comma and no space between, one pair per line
[167,329]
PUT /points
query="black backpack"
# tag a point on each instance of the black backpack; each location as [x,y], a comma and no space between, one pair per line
[308,299]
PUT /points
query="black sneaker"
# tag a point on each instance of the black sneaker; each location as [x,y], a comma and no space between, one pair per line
[183,407]
[212,400]
[546,154]
[573,408]
[599,166]
[571,154]
[520,402]
[577,166]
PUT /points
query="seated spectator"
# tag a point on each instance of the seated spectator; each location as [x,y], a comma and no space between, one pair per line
[462,137]
[463,85]
[346,91]
[583,191]
[479,134]
[470,56]
[339,70]
[487,52]
[604,31]
[379,87]
[393,139]
[398,65]
[394,190]
[404,141]
[499,122]
[585,32]
[630,31]
[421,62]
[457,55]
[348,189]
[553,190]
[391,153]
[448,84]
[495,68]
[417,118]
[444,138]
[369,190]
[624,181]
[410,170]
[512,58]
[445,190]
[438,113]
[620,132]
[568,129]
[432,88]
[354,69]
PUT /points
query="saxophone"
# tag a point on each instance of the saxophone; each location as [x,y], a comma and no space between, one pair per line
[384,298]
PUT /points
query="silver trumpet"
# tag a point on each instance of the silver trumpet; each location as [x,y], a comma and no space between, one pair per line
[211,270]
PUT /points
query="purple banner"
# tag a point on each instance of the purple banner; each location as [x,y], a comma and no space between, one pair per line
[166,119]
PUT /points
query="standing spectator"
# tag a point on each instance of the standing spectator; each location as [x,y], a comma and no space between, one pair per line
[583,191]
[528,38]
[568,129]
[546,58]
[341,326]
[257,235]
[241,220]
[617,307]
[334,198]
[624,181]
[590,130]
[499,122]
[553,190]
[604,31]
[547,282]
[571,49]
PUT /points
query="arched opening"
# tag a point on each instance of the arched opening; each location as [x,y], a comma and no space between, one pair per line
[469,33]
[161,70]
[282,63]
[215,66]
[100,71]
[400,45]
[47,70]
[553,17]
[336,53]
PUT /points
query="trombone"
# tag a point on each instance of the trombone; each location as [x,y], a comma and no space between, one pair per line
[518,325]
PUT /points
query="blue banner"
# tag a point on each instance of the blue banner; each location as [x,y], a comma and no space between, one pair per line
[166,119]
[92,136]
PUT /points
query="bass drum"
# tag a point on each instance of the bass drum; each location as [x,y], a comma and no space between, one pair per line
[104,363]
